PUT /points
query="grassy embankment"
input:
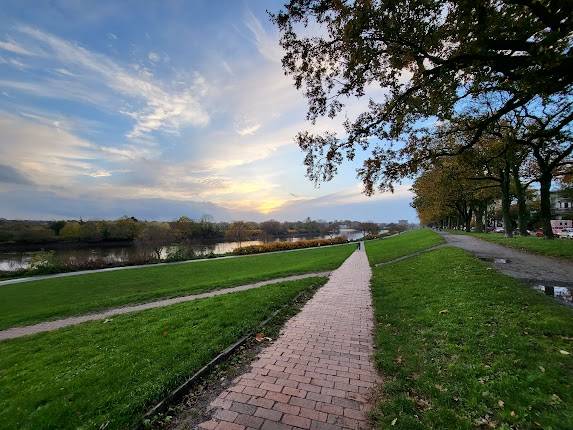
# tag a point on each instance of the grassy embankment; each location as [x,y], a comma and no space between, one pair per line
[381,250]
[106,374]
[461,346]
[553,248]
[31,302]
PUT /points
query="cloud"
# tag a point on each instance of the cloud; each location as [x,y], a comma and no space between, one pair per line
[64,72]
[48,156]
[248,130]
[12,62]
[153,57]
[351,204]
[152,105]
[99,173]
[11,46]
[266,42]
[10,175]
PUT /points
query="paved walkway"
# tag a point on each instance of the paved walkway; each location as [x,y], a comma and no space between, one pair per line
[318,374]
[15,332]
[521,265]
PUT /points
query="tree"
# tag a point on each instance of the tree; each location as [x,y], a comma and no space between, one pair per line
[154,237]
[71,230]
[57,226]
[435,58]
[449,188]
[237,232]
[549,137]
[272,228]
[370,228]
[186,228]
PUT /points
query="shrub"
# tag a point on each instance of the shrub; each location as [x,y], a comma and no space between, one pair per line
[284,246]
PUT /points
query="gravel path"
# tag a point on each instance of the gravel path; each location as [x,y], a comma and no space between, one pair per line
[319,373]
[15,332]
[528,267]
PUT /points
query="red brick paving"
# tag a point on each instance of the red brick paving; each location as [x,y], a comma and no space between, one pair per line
[318,374]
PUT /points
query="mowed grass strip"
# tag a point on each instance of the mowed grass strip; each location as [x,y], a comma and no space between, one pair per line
[553,248]
[105,375]
[381,250]
[461,346]
[31,302]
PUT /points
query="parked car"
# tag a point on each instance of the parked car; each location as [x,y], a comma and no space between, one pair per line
[499,230]
[566,233]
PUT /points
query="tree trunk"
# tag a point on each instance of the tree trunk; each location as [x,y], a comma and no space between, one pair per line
[545,209]
[506,202]
[468,220]
[522,215]
[479,211]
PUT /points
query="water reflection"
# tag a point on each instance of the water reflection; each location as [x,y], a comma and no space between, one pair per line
[12,261]
[564,294]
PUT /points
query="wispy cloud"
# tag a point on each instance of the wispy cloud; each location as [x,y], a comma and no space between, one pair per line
[266,42]
[99,173]
[154,106]
[56,164]
[12,46]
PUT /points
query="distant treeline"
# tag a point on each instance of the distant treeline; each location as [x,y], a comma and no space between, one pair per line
[129,229]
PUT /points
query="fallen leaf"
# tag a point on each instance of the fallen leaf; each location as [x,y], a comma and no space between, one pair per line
[394,421]
[500,403]
[443,311]
[399,360]
[512,413]
[259,337]
[562,351]
[542,369]
[107,320]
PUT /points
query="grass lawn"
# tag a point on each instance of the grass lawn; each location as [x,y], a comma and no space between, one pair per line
[553,248]
[36,301]
[380,250]
[461,346]
[105,375]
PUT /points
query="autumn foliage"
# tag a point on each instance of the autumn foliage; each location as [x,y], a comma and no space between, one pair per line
[285,246]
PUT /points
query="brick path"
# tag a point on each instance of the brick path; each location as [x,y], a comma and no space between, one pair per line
[318,374]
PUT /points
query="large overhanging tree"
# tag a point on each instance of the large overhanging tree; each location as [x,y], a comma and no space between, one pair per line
[436,60]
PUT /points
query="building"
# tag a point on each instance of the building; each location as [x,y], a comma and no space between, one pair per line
[561,206]
[403,221]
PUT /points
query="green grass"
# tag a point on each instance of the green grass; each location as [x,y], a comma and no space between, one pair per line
[461,346]
[36,301]
[381,250]
[553,248]
[106,375]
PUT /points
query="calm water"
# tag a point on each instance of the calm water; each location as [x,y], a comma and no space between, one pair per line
[11,261]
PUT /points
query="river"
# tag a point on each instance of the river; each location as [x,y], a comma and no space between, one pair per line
[113,254]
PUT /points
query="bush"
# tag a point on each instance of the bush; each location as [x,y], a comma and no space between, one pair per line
[285,246]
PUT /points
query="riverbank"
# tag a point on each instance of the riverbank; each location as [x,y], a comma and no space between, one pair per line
[57,297]
[50,265]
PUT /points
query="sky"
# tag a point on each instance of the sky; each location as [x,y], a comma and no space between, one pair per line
[158,109]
